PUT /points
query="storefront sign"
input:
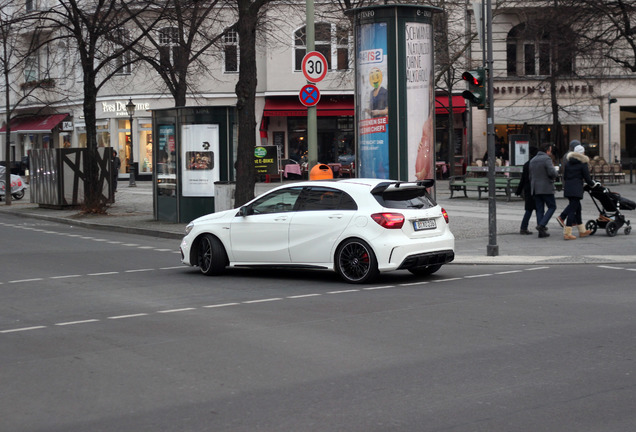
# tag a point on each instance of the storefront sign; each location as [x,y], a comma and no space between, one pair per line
[266,160]
[527,90]
[199,159]
[119,107]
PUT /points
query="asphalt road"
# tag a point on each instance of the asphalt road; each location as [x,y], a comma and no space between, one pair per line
[108,332]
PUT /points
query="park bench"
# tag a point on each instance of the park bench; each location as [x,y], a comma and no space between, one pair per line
[507,180]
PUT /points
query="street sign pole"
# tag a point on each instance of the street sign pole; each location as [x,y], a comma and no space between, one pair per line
[312,120]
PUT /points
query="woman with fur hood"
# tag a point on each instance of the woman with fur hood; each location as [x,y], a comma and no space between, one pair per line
[575,173]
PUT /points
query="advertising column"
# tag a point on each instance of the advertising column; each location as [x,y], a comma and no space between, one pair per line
[395,92]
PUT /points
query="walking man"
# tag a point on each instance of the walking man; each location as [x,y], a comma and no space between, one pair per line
[542,176]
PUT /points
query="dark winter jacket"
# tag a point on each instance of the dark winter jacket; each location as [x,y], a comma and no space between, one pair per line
[525,188]
[575,173]
[542,174]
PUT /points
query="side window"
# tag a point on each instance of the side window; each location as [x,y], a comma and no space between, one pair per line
[277,202]
[326,199]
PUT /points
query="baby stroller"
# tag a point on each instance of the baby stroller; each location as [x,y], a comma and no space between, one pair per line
[609,216]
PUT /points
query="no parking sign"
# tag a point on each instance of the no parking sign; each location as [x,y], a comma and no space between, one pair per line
[309,95]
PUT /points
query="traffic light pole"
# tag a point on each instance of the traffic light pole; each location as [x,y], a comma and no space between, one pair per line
[492,249]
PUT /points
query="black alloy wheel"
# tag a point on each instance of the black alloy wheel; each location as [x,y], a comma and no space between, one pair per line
[211,258]
[355,261]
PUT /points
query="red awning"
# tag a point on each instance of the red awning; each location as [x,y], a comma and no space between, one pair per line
[35,124]
[441,104]
[291,107]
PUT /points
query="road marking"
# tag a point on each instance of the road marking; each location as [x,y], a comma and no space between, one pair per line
[303,296]
[378,287]
[127,316]
[509,272]
[221,305]
[446,280]
[478,276]
[176,310]
[25,280]
[146,247]
[102,274]
[611,267]
[414,283]
[77,322]
[22,329]
[164,250]
[139,270]
[263,300]
[130,244]
[65,276]
[538,268]
[172,268]
[343,291]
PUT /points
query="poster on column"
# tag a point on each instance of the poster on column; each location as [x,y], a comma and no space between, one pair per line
[419,100]
[373,101]
[199,159]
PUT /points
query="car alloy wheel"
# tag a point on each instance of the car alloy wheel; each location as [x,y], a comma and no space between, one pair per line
[356,262]
[211,257]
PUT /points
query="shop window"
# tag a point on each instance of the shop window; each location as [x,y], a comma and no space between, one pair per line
[168,47]
[332,41]
[31,5]
[590,139]
[230,51]
[125,150]
[145,146]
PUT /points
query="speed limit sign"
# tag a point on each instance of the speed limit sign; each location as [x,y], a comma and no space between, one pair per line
[314,66]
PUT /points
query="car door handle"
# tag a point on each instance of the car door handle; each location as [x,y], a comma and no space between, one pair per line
[280,218]
[335,216]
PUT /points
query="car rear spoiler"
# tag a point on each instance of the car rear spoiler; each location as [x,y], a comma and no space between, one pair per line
[396,186]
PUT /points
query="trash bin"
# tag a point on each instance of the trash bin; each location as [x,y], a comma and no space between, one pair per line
[224,195]
[320,172]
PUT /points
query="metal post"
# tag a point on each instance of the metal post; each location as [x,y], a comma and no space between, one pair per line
[610,101]
[312,120]
[130,107]
[492,248]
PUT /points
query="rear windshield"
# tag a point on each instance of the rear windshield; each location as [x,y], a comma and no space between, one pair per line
[412,198]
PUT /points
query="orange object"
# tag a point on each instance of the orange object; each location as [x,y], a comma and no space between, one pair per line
[320,172]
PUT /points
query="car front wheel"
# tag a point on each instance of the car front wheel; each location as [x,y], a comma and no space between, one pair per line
[211,258]
[355,261]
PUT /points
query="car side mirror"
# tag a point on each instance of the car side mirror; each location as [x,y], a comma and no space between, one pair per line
[245,211]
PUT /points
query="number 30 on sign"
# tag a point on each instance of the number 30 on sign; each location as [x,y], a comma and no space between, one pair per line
[314,66]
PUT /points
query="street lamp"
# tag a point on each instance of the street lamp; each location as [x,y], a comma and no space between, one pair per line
[610,101]
[130,107]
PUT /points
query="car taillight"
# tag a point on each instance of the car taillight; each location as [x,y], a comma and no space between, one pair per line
[445,214]
[389,220]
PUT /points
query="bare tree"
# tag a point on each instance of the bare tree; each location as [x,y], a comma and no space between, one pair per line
[97,29]
[182,32]
[21,37]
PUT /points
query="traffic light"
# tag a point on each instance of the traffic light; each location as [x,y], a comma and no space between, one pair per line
[476,93]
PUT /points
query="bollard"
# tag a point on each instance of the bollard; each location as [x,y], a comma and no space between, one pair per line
[631,172]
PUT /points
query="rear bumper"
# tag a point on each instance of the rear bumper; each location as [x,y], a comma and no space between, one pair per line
[427,259]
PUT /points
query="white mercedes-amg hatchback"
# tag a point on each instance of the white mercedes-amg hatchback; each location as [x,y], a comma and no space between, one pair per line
[357,227]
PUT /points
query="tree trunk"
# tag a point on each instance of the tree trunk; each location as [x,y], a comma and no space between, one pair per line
[245,104]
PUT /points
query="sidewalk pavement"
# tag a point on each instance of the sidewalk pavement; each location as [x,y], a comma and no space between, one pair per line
[469,220]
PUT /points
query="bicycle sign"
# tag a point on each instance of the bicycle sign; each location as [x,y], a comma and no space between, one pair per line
[314,66]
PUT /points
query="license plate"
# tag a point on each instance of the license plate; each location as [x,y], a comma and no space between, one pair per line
[425,224]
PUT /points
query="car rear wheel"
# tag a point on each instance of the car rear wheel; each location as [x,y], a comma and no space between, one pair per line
[211,258]
[18,195]
[425,271]
[355,261]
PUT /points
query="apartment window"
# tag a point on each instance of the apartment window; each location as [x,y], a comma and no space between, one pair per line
[230,51]
[535,53]
[122,64]
[169,47]
[32,68]
[31,5]
[332,41]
